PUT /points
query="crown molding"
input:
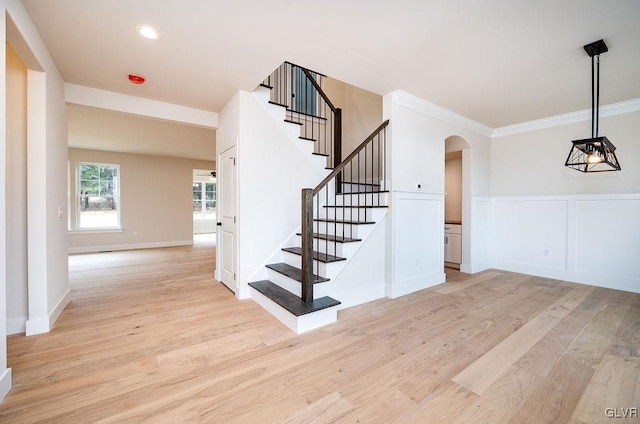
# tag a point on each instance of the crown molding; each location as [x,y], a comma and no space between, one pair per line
[89,96]
[612,109]
[420,105]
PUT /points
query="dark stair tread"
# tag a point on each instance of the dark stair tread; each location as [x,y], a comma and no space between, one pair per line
[266,86]
[365,184]
[293,122]
[355,206]
[318,256]
[331,237]
[320,154]
[307,138]
[293,272]
[290,301]
[308,114]
[340,221]
[362,192]
[278,104]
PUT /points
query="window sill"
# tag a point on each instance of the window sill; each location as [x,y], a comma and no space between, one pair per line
[96,231]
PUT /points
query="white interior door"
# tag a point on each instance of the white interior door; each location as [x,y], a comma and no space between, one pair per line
[227,240]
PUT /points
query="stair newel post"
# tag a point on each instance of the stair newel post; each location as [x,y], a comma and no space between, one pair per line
[337,146]
[307,245]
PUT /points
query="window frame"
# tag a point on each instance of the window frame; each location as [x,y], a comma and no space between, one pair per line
[117,196]
[203,200]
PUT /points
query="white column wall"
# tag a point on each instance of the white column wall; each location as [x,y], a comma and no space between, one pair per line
[5,373]
[272,171]
[415,144]
[47,175]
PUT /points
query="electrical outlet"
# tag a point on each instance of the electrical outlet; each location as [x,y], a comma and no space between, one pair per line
[135,233]
[545,252]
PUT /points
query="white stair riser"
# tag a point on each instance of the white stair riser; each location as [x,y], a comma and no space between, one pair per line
[321,161]
[297,324]
[375,199]
[346,230]
[306,146]
[358,188]
[330,270]
[295,287]
[349,214]
[343,250]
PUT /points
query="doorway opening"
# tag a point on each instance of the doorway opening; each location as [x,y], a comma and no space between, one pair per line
[457,202]
[204,188]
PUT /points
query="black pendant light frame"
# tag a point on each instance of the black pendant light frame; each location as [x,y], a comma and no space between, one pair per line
[595,154]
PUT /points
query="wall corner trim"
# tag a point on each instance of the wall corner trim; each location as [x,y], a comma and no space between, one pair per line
[45,324]
[612,109]
[5,383]
[433,110]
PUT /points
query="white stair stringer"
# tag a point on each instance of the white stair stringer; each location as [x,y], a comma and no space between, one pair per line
[279,113]
[273,281]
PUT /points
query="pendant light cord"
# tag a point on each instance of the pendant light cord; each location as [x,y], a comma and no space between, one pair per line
[597,94]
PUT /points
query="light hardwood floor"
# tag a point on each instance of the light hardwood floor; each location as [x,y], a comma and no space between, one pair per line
[150,337]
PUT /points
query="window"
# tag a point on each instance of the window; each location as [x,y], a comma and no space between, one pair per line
[304,93]
[204,203]
[98,196]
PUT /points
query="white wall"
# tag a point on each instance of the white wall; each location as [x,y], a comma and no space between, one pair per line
[16,196]
[46,175]
[532,163]
[416,145]
[5,373]
[553,221]
[272,171]
[156,201]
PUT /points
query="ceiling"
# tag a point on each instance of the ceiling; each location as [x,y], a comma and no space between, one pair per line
[498,62]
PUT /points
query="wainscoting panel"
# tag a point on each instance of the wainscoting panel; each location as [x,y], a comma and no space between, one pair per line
[418,234]
[589,239]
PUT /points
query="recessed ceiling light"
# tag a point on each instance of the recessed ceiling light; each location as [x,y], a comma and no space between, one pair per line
[148,32]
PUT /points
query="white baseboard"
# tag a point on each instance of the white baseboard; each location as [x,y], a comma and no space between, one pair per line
[45,324]
[55,314]
[16,325]
[132,246]
[5,383]
[415,284]
[606,281]
[475,268]
[37,326]
[359,296]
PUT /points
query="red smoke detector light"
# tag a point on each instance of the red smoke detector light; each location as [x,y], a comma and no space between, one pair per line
[136,79]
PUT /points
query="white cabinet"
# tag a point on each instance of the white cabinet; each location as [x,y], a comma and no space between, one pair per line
[453,243]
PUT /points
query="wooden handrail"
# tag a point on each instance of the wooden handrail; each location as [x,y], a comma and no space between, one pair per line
[353,154]
[318,88]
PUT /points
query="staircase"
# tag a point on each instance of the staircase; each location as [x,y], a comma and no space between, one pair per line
[337,215]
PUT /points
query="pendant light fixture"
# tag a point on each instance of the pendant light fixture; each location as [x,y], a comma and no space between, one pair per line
[595,154]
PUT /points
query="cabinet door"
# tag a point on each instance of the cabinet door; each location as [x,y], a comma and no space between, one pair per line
[447,248]
[455,248]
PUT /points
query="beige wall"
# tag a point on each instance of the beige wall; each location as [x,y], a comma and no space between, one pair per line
[453,188]
[156,201]
[361,111]
[16,192]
